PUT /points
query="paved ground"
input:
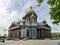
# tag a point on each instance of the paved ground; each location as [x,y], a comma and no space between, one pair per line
[32,42]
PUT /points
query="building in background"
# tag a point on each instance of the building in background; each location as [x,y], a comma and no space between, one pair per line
[29,28]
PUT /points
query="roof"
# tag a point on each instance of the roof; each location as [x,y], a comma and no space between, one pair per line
[29,14]
[45,26]
[12,25]
[27,23]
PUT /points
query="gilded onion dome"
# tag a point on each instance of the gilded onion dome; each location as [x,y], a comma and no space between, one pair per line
[31,10]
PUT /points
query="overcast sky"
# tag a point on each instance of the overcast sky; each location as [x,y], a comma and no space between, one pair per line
[13,10]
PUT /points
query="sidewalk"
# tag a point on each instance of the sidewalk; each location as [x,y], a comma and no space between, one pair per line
[32,42]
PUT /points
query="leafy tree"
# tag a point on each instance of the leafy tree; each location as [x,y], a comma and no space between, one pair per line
[57,35]
[54,10]
[39,2]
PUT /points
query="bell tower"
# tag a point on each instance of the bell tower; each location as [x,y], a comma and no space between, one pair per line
[31,15]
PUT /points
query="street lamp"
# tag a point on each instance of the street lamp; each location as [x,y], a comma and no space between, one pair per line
[4,32]
[4,36]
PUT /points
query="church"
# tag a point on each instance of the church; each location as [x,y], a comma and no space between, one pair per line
[29,27]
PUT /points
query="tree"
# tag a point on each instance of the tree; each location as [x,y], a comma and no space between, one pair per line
[57,35]
[39,2]
[54,10]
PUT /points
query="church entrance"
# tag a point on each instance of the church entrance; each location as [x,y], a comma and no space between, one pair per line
[31,33]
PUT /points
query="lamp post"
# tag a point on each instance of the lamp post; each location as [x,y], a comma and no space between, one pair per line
[4,35]
[4,32]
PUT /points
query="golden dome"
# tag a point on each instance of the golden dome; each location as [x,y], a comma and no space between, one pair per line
[31,10]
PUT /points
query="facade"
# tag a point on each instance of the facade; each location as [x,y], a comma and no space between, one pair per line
[29,28]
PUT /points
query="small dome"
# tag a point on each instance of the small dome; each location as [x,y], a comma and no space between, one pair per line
[31,10]
[44,21]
